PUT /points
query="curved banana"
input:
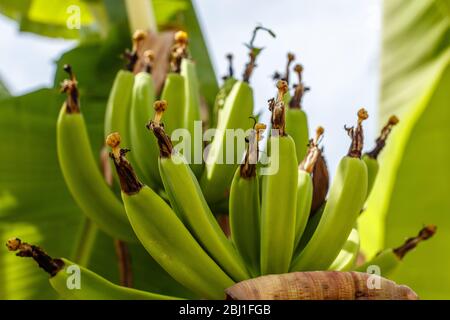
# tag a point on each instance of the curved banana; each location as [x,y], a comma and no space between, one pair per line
[345,201]
[390,259]
[311,226]
[346,259]
[238,107]
[221,97]
[279,195]
[305,186]
[145,148]
[118,105]
[296,119]
[174,87]
[80,169]
[216,178]
[189,204]
[370,158]
[74,282]
[163,234]
[193,151]
[244,209]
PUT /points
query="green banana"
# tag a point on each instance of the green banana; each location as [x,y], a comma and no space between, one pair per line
[80,169]
[311,226]
[145,148]
[238,107]
[345,201]
[163,234]
[296,119]
[74,282]
[279,195]
[370,158]
[192,115]
[174,86]
[389,260]
[305,186]
[346,259]
[221,97]
[173,93]
[216,178]
[189,204]
[118,105]
[224,91]
[244,208]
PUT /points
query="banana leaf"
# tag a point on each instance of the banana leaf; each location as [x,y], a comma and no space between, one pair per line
[414,179]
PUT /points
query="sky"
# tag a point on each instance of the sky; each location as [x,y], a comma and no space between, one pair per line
[337,42]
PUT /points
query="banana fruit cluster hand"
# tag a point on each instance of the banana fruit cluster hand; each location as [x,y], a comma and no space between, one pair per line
[281,216]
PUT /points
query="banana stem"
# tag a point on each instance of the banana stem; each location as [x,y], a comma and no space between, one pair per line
[357,135]
[179,51]
[69,86]
[229,57]
[164,143]
[278,109]
[299,89]
[313,154]
[129,183]
[381,140]
[123,257]
[254,52]
[424,234]
[248,167]
[50,265]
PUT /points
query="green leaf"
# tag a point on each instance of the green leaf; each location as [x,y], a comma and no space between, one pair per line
[4,92]
[414,178]
[50,17]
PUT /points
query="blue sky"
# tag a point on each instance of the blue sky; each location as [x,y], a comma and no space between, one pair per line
[338,42]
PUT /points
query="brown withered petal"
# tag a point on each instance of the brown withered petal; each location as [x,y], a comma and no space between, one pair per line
[321,182]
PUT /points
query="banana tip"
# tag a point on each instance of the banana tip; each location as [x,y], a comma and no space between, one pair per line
[13,244]
[113,140]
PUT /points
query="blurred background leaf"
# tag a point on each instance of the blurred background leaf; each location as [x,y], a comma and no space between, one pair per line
[4,92]
[414,179]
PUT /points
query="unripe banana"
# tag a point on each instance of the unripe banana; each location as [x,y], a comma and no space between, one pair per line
[370,158]
[346,259]
[245,202]
[279,195]
[189,204]
[174,87]
[163,234]
[192,115]
[74,282]
[119,100]
[216,178]
[390,259]
[80,169]
[296,119]
[221,97]
[345,201]
[305,186]
[145,148]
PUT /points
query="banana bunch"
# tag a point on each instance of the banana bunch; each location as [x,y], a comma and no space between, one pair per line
[282,216]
